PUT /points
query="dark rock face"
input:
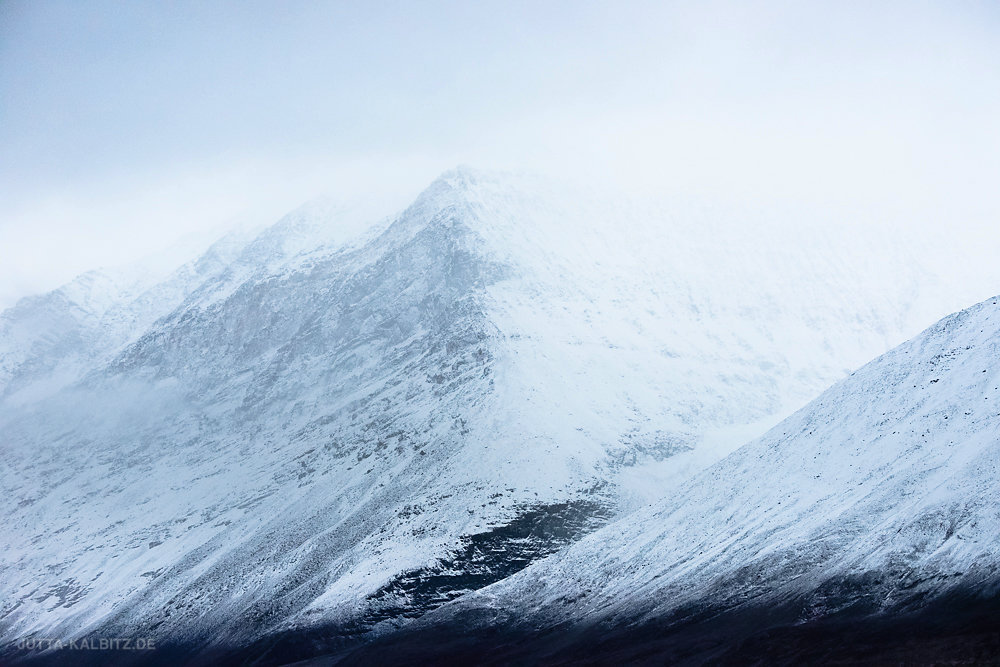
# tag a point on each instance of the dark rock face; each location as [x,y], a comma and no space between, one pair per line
[487,557]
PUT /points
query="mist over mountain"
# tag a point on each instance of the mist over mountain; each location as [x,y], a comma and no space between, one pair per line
[509,406]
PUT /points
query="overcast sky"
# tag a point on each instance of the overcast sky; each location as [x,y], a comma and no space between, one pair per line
[126,125]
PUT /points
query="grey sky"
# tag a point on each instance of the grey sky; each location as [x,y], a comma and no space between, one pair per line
[125,125]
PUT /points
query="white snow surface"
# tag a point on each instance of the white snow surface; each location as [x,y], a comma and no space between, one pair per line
[284,426]
[889,477]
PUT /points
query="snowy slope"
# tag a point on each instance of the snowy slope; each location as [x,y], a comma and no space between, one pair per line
[880,495]
[51,340]
[43,332]
[340,430]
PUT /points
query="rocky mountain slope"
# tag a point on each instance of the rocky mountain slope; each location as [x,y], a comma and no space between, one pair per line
[339,434]
[876,504]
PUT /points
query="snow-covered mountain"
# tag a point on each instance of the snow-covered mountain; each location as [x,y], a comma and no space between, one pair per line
[49,341]
[316,430]
[876,502]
